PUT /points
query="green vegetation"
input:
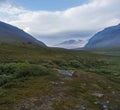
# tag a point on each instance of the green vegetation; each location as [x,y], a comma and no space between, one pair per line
[13,71]
[29,79]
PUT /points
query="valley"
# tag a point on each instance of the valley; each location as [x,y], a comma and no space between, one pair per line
[40,78]
[60,55]
[36,77]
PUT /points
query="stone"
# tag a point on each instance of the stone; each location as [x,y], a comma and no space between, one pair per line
[99,95]
[66,72]
[104,104]
[54,83]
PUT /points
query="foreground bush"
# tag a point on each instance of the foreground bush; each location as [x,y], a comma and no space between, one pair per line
[26,70]
[10,72]
[7,68]
[4,79]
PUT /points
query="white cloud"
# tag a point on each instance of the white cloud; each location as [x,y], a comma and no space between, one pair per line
[94,15]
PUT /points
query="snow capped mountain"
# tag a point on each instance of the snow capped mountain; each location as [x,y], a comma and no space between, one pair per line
[70,44]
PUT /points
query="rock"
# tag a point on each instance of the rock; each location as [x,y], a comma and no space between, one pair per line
[96,103]
[105,107]
[99,95]
[109,87]
[83,108]
[61,82]
[113,92]
[107,101]
[56,83]
[66,72]
[104,104]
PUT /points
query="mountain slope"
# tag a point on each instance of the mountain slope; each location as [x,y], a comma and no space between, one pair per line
[108,38]
[11,34]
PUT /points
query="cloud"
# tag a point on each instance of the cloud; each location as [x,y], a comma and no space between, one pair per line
[92,16]
[53,39]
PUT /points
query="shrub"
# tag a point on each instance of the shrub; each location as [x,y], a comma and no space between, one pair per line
[13,71]
[101,71]
[75,64]
[61,63]
[7,69]
[4,79]
[26,70]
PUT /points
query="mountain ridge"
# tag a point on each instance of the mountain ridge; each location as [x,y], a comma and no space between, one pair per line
[12,34]
[107,38]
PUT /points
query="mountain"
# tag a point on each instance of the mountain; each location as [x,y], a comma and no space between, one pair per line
[70,44]
[12,34]
[107,38]
[52,39]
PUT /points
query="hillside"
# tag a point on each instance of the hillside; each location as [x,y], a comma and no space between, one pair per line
[40,78]
[107,38]
[11,34]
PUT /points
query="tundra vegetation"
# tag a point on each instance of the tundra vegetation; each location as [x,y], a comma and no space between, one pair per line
[30,78]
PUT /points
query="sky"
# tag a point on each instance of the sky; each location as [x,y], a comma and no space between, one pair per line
[54,21]
[49,5]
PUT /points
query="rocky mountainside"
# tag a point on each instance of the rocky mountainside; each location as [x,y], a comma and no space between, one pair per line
[11,34]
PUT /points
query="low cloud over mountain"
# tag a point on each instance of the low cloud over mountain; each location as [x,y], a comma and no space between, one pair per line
[91,16]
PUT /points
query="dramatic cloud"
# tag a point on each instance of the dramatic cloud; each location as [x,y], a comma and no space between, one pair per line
[93,16]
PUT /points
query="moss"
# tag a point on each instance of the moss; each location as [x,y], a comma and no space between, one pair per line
[27,70]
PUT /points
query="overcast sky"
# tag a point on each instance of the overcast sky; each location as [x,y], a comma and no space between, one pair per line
[48,17]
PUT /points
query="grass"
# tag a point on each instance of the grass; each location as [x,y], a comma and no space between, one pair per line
[26,73]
